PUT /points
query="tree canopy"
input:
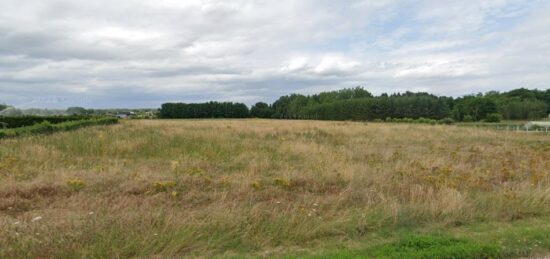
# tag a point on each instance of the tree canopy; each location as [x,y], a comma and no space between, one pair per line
[359,104]
[204,110]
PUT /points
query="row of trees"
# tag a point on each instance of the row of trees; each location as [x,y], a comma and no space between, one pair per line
[359,104]
[204,110]
[519,104]
[353,104]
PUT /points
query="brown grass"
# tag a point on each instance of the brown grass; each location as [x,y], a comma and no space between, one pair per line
[233,187]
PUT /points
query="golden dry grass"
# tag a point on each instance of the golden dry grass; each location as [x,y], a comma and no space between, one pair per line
[256,187]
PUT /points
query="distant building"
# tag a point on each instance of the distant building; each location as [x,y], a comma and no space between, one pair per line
[122,116]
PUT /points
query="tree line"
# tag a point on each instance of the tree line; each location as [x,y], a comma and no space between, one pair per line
[358,104]
[204,110]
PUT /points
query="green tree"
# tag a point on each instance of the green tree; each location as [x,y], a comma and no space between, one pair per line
[261,110]
[76,111]
[493,117]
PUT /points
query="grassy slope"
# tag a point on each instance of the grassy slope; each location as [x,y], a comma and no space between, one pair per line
[257,187]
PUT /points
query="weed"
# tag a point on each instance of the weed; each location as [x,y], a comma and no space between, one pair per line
[75,185]
[163,186]
[283,183]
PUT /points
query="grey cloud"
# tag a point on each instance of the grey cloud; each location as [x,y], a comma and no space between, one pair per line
[132,53]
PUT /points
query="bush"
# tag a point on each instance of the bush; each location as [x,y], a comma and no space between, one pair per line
[447,121]
[468,118]
[493,117]
[24,121]
[45,127]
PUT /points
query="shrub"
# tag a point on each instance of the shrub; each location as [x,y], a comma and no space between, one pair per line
[447,121]
[46,127]
[24,121]
[493,117]
[468,118]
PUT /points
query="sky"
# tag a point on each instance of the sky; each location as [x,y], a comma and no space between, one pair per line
[138,53]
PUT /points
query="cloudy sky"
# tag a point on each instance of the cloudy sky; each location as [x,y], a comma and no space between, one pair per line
[140,53]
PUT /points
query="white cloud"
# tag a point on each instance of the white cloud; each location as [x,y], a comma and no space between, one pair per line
[332,65]
[142,53]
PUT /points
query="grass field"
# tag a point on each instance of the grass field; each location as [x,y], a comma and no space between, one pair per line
[255,188]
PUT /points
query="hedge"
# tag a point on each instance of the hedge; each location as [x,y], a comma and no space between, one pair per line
[446,121]
[46,127]
[24,121]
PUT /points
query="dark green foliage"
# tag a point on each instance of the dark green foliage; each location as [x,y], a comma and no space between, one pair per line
[17,122]
[467,118]
[412,106]
[475,106]
[518,104]
[359,104]
[493,117]
[261,110]
[3,106]
[447,121]
[76,111]
[523,109]
[294,106]
[436,246]
[46,127]
[204,110]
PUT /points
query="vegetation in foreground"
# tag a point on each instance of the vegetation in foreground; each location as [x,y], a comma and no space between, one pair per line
[274,188]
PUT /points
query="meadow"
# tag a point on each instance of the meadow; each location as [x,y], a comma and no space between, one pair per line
[275,188]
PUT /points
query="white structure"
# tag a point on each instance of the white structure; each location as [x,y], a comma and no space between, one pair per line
[538,124]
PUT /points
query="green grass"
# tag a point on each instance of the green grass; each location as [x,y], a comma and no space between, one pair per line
[483,240]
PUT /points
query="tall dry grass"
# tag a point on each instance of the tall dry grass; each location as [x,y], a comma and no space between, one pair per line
[233,187]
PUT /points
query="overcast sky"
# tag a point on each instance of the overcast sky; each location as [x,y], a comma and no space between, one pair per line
[137,53]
